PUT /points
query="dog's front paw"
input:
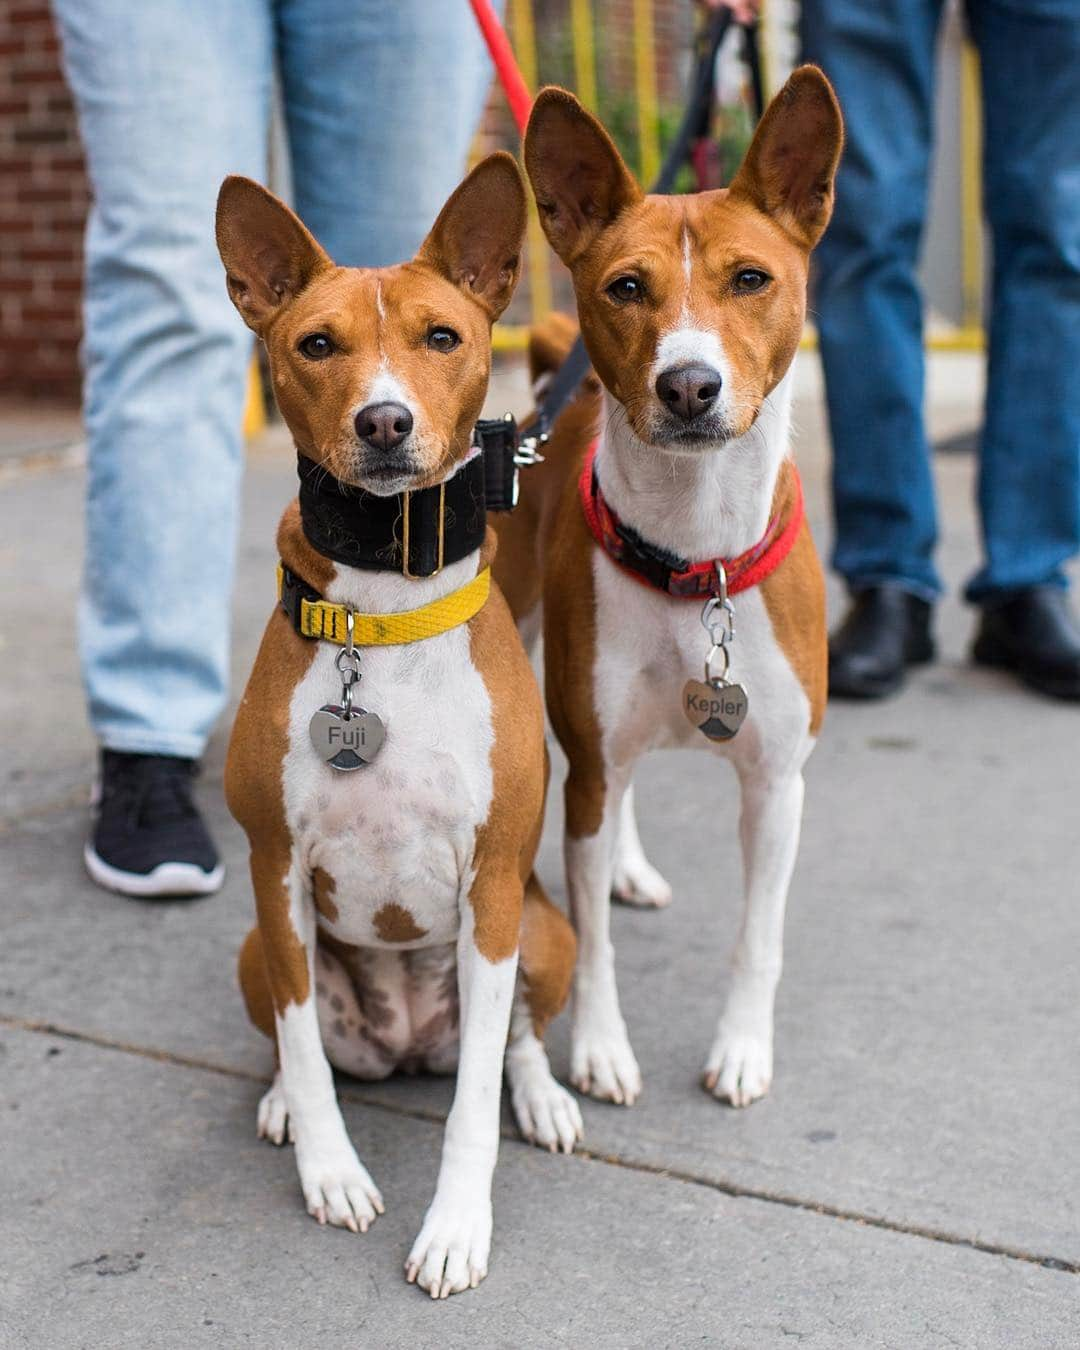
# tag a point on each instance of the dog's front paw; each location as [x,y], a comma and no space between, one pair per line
[739,1067]
[337,1187]
[635,881]
[451,1253]
[602,1063]
[546,1113]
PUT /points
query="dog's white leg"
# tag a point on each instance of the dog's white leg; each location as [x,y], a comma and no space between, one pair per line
[546,1113]
[601,1060]
[337,1188]
[635,881]
[451,1252]
[530,626]
[740,1063]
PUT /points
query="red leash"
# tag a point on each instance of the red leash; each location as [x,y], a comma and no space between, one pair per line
[506,68]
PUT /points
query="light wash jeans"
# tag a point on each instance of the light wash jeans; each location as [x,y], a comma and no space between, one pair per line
[880,56]
[381,100]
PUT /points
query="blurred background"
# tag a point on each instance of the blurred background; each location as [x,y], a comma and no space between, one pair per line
[628,60]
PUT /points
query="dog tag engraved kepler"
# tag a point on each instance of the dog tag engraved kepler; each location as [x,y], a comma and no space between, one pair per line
[346,741]
[716,708]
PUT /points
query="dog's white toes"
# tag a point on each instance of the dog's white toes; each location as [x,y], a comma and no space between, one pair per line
[637,882]
[272,1119]
[603,1066]
[739,1068]
[338,1188]
[547,1114]
[451,1253]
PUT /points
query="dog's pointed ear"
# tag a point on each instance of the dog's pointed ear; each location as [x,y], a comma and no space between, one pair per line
[477,240]
[790,169]
[269,255]
[579,178]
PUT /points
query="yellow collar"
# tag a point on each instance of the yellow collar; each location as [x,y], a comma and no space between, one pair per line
[314,617]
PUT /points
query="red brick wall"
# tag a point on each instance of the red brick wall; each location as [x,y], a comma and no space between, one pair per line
[43,206]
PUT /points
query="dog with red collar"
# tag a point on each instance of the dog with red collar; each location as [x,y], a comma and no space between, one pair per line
[664,542]
[387,761]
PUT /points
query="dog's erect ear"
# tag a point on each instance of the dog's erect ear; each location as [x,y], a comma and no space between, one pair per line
[578,176]
[269,255]
[477,240]
[790,167]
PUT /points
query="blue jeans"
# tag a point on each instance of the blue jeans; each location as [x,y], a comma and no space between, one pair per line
[381,101]
[880,57]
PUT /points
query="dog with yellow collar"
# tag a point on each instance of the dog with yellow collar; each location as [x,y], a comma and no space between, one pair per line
[387,761]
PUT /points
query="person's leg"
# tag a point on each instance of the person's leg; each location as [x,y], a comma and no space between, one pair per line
[866,302]
[381,101]
[171,97]
[1029,481]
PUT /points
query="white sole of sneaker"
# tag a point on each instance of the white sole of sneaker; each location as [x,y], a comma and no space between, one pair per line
[170,878]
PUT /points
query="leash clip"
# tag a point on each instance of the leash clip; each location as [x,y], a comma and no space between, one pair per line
[348,664]
[718,620]
[528,450]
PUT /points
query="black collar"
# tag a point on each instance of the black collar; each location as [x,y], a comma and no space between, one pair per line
[416,533]
[439,525]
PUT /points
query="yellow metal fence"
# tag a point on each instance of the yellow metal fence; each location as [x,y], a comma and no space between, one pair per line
[524,16]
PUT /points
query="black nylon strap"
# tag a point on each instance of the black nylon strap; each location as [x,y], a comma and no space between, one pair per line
[497,437]
[362,530]
[294,590]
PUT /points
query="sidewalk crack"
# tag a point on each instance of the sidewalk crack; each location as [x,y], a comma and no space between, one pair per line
[735,1190]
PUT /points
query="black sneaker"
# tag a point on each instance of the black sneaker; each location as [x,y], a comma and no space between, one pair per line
[148,837]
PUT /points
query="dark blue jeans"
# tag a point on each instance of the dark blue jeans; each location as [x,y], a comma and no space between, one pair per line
[880,56]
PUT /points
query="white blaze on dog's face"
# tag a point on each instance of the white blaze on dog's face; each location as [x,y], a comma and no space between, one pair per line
[691,307]
[379,373]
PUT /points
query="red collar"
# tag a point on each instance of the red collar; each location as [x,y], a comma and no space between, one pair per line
[664,571]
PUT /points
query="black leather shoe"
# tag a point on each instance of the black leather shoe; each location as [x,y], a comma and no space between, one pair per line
[1034,633]
[886,630]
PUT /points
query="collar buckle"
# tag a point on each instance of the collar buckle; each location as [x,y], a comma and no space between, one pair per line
[440,532]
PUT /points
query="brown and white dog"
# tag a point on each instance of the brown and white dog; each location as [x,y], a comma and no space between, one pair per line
[393,902]
[691,309]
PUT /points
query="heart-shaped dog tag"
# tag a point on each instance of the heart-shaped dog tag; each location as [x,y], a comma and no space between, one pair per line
[717,709]
[346,742]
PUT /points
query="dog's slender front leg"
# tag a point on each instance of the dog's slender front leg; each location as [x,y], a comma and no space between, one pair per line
[451,1252]
[601,1060]
[337,1188]
[740,1063]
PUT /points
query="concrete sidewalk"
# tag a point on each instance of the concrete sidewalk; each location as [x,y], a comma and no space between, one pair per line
[912,1181]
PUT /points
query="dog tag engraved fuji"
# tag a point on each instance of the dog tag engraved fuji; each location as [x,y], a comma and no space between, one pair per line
[346,742]
[717,709]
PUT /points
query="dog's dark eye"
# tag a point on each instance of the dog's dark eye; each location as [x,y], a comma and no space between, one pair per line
[625,289]
[316,347]
[443,340]
[751,279]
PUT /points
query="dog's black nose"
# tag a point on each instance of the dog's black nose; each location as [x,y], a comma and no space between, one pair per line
[383,426]
[688,391]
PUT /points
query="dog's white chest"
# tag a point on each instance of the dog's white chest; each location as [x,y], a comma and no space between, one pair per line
[395,838]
